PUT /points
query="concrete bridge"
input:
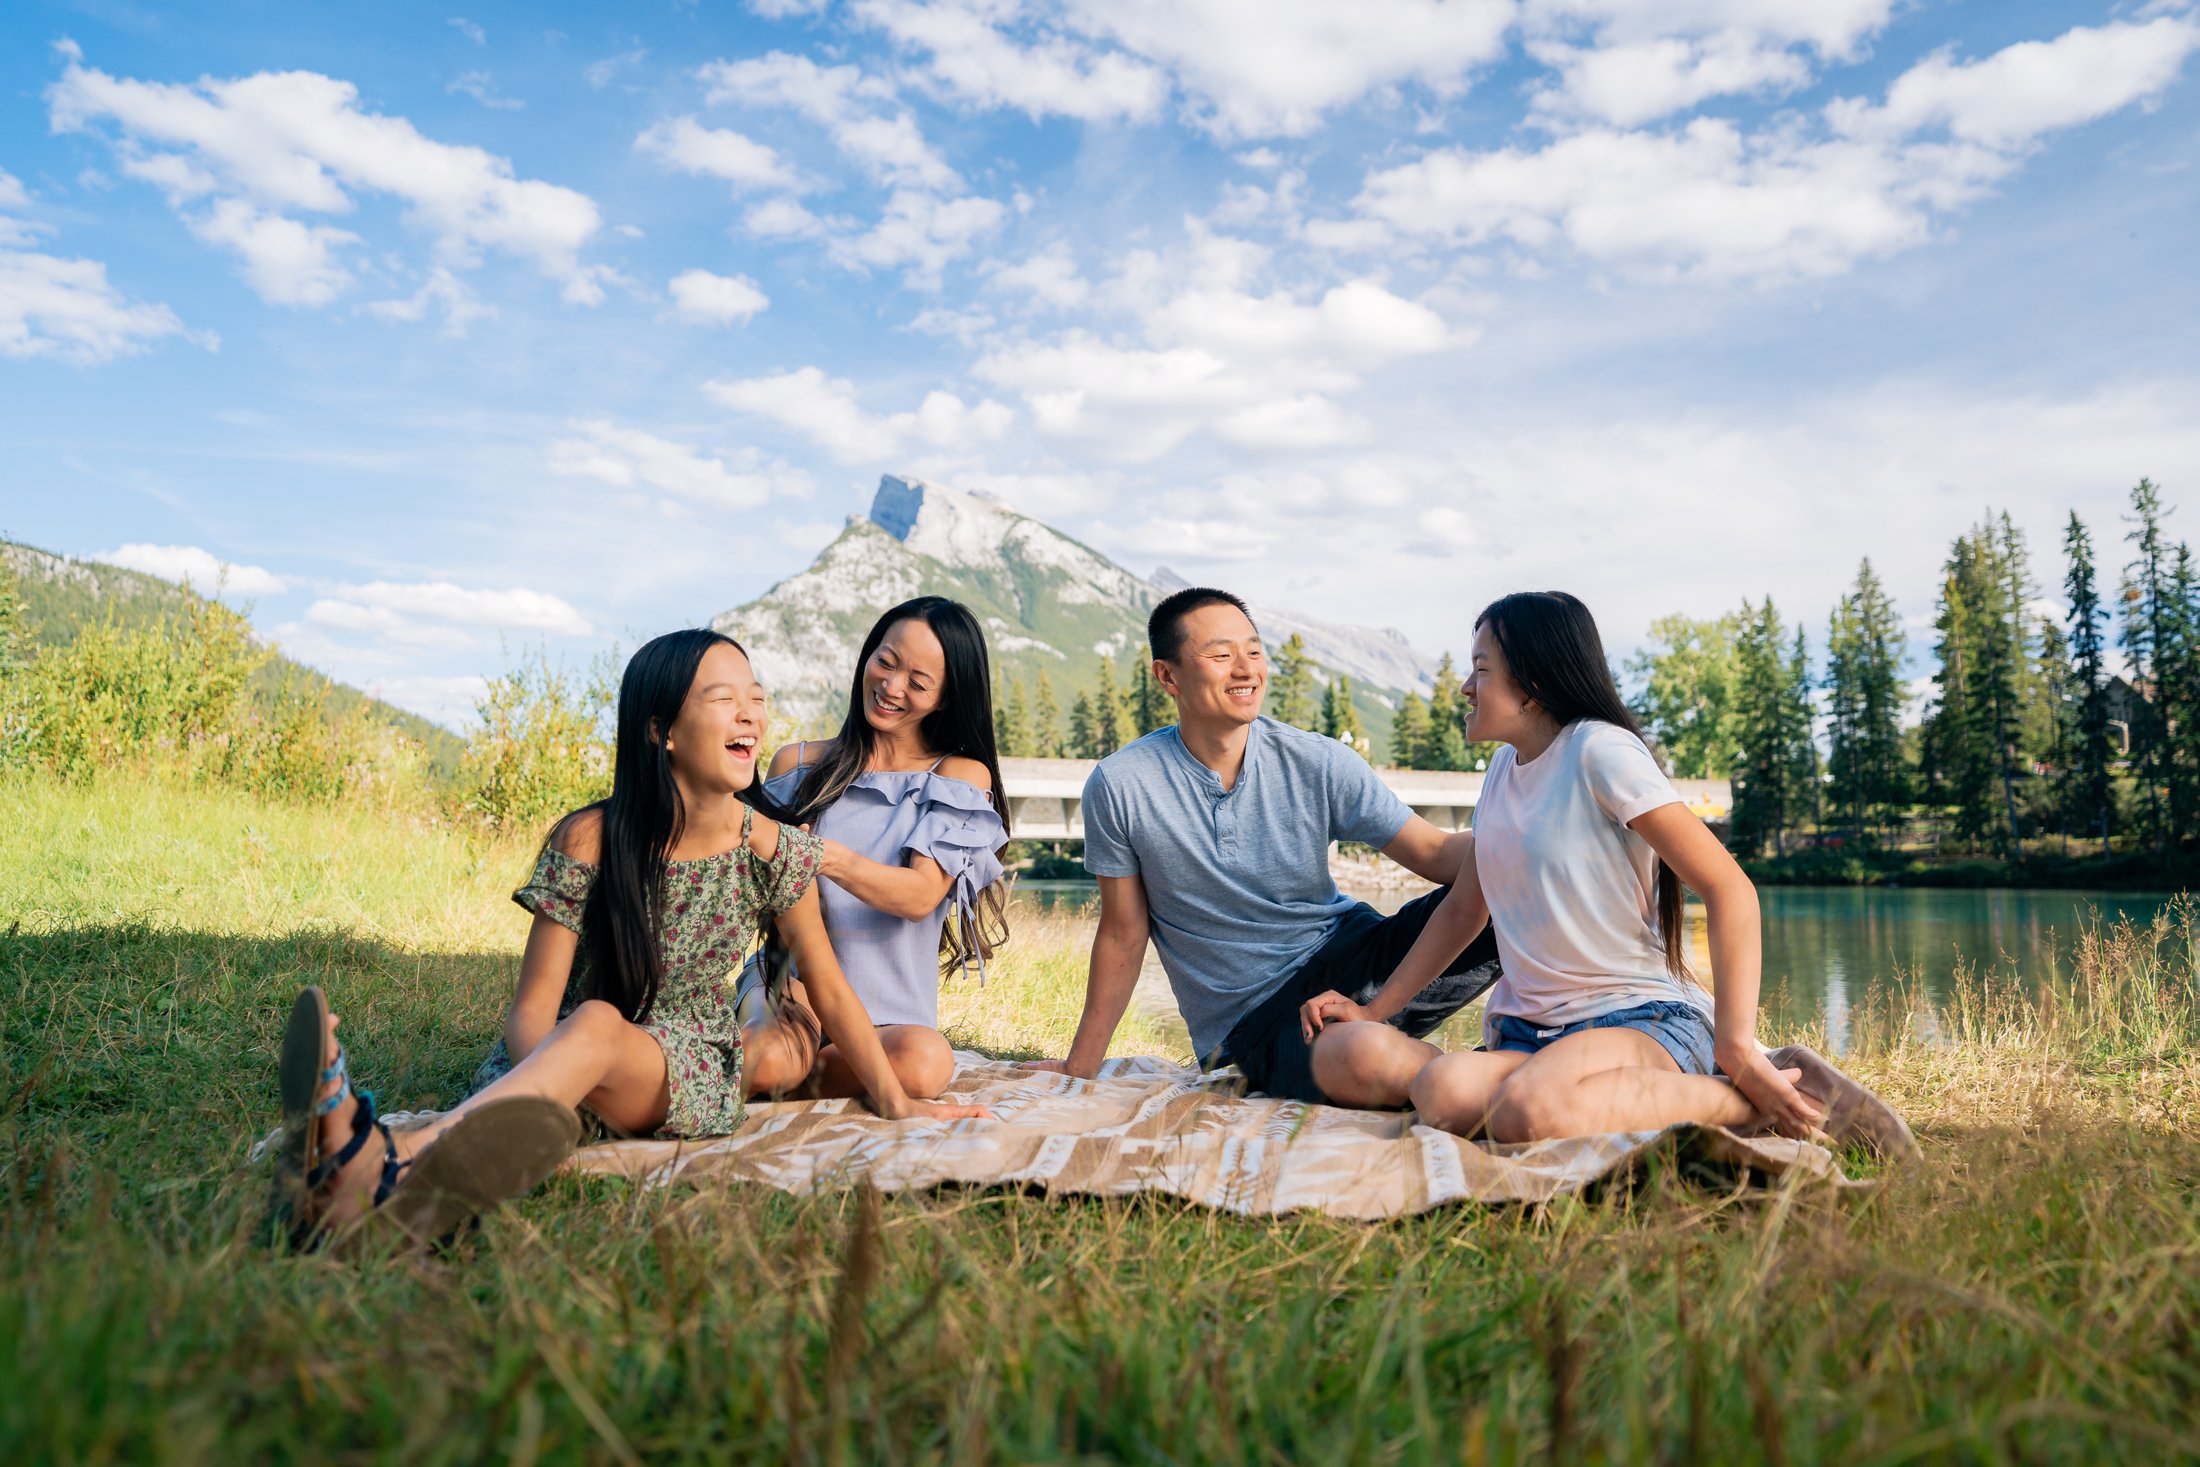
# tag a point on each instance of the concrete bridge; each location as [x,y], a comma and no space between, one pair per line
[1044,796]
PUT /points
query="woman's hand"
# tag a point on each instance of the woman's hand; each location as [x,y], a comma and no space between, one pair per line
[1331,1007]
[1773,1092]
[936,1110]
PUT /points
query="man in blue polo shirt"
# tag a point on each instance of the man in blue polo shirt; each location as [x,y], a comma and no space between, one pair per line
[1211,838]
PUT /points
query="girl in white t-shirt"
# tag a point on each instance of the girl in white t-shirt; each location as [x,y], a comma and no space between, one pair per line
[1580,848]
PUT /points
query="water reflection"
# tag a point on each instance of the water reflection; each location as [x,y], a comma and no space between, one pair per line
[1824,947]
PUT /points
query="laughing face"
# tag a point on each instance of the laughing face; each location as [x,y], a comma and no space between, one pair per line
[713,742]
[905,677]
[1497,711]
[1221,673]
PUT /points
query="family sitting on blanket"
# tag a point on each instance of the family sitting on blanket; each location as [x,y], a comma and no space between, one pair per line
[1209,838]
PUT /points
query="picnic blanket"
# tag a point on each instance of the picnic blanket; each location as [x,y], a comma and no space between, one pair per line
[1146,1125]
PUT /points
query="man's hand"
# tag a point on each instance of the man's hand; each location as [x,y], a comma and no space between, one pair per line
[1330,1007]
[1052,1067]
[1774,1094]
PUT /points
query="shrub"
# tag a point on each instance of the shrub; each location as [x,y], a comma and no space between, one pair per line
[544,743]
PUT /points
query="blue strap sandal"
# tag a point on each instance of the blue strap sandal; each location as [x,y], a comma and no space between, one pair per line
[301,1173]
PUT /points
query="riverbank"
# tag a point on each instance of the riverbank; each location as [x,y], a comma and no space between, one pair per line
[2047,869]
[2026,1292]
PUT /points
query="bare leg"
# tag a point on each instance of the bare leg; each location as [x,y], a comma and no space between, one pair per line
[922,1058]
[1368,1065]
[594,1057]
[1454,1091]
[1602,1080]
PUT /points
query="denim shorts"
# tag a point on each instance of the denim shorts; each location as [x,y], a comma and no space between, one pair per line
[1680,1027]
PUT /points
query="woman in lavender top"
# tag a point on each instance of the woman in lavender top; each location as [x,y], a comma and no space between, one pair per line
[906,797]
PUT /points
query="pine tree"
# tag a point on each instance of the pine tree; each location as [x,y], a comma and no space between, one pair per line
[2146,637]
[1982,673]
[2051,734]
[1772,719]
[1291,687]
[2180,662]
[2089,795]
[1688,674]
[1340,720]
[1046,721]
[1409,732]
[1150,707]
[1446,745]
[1012,724]
[1798,739]
[1864,650]
[1084,742]
[1106,712]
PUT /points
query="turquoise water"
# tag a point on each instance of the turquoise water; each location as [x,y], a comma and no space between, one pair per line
[1825,946]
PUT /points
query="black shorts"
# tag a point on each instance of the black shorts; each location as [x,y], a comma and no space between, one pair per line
[1363,951]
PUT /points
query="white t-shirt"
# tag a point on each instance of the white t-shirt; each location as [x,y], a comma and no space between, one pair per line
[1572,891]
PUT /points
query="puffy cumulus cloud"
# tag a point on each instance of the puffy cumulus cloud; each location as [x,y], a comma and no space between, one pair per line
[859,112]
[717,152]
[1625,62]
[205,571]
[67,309]
[442,291]
[972,56]
[1253,68]
[428,614]
[239,159]
[1050,277]
[826,411]
[628,458]
[1711,200]
[929,219]
[716,300]
[1262,370]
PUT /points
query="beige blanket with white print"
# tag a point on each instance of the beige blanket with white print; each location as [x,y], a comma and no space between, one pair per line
[1146,1125]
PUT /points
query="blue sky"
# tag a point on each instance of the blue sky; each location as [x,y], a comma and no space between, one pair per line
[460,329]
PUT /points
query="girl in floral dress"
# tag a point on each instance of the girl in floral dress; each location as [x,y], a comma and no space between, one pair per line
[645,905]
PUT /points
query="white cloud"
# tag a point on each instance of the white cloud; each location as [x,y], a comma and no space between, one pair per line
[825,411]
[1445,529]
[66,309]
[1259,67]
[441,291]
[782,219]
[1624,63]
[481,86]
[469,30]
[2011,97]
[788,9]
[1050,276]
[601,74]
[859,112]
[1710,200]
[436,608]
[970,57]
[202,568]
[717,152]
[629,458]
[1259,370]
[267,146]
[716,300]
[921,231]
[285,262]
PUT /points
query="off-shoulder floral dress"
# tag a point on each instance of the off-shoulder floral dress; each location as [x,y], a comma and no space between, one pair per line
[713,909]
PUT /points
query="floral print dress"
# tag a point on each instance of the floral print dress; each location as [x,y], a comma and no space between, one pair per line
[713,910]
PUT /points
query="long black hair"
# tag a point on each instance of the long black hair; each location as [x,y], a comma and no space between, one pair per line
[642,821]
[1553,651]
[961,725]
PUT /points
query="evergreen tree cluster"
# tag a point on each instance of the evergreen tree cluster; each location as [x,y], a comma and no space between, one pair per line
[2027,732]
[1430,733]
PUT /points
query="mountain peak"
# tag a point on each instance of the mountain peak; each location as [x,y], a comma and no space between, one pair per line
[951,526]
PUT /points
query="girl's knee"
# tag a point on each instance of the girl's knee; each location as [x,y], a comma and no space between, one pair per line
[1445,1094]
[1533,1112]
[923,1060]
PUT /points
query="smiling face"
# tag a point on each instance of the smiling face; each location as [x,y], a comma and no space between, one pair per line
[1498,712]
[713,742]
[905,678]
[1221,673]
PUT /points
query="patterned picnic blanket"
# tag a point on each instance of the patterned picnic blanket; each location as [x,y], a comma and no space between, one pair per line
[1146,1125]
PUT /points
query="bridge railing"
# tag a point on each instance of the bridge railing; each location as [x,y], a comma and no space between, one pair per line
[1045,796]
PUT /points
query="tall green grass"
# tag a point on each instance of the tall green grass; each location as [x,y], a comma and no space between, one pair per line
[2029,1293]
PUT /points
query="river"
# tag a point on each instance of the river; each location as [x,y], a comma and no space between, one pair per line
[1825,946]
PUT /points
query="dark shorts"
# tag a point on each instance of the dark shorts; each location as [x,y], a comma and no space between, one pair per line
[1361,953]
[1680,1027]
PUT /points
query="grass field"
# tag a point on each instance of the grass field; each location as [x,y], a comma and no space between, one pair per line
[2030,1293]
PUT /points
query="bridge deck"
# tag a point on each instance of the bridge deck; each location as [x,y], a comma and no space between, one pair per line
[1045,796]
